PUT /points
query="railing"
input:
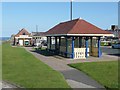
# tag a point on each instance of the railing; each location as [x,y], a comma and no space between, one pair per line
[79,53]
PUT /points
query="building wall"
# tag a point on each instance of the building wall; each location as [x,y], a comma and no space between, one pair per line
[39,39]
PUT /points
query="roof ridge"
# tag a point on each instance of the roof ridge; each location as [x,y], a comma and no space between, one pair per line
[92,24]
[68,21]
[18,32]
[95,26]
[76,26]
[73,25]
[21,31]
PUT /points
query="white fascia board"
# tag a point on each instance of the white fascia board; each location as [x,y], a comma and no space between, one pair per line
[89,34]
[21,37]
[81,35]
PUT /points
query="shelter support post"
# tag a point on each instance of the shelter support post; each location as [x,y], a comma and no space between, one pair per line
[50,42]
[80,42]
[86,45]
[72,47]
[91,42]
[66,39]
[99,52]
[55,42]
[47,42]
[59,43]
[56,45]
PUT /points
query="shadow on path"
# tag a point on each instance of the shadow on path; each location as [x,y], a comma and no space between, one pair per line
[43,52]
[118,55]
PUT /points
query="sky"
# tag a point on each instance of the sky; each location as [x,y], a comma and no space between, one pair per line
[18,15]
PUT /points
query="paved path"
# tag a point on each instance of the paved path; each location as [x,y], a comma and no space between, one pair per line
[74,77]
[104,57]
[110,51]
[5,85]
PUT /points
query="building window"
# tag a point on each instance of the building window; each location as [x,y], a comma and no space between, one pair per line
[24,33]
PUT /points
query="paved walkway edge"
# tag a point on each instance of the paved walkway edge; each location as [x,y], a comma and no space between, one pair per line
[74,77]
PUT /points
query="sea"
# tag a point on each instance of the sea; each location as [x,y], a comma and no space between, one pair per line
[3,39]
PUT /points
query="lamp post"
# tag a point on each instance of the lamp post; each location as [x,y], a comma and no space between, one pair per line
[37,28]
[71,9]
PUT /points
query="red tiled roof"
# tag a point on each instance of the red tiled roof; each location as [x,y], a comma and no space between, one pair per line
[77,26]
[21,32]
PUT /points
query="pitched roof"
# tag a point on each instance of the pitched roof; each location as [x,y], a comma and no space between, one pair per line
[21,32]
[77,26]
[38,33]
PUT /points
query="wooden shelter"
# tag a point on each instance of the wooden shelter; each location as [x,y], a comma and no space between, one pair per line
[76,39]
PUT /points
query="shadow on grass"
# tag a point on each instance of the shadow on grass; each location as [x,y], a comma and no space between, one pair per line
[112,88]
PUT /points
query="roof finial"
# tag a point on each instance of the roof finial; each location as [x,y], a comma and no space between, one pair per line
[80,18]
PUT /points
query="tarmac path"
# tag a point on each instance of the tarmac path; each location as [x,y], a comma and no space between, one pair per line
[74,77]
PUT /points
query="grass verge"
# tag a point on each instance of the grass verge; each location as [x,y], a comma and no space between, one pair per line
[106,73]
[22,68]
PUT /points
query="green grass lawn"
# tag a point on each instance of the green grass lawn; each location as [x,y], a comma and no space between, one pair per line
[105,73]
[22,68]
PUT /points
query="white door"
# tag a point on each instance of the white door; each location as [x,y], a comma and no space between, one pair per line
[21,42]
